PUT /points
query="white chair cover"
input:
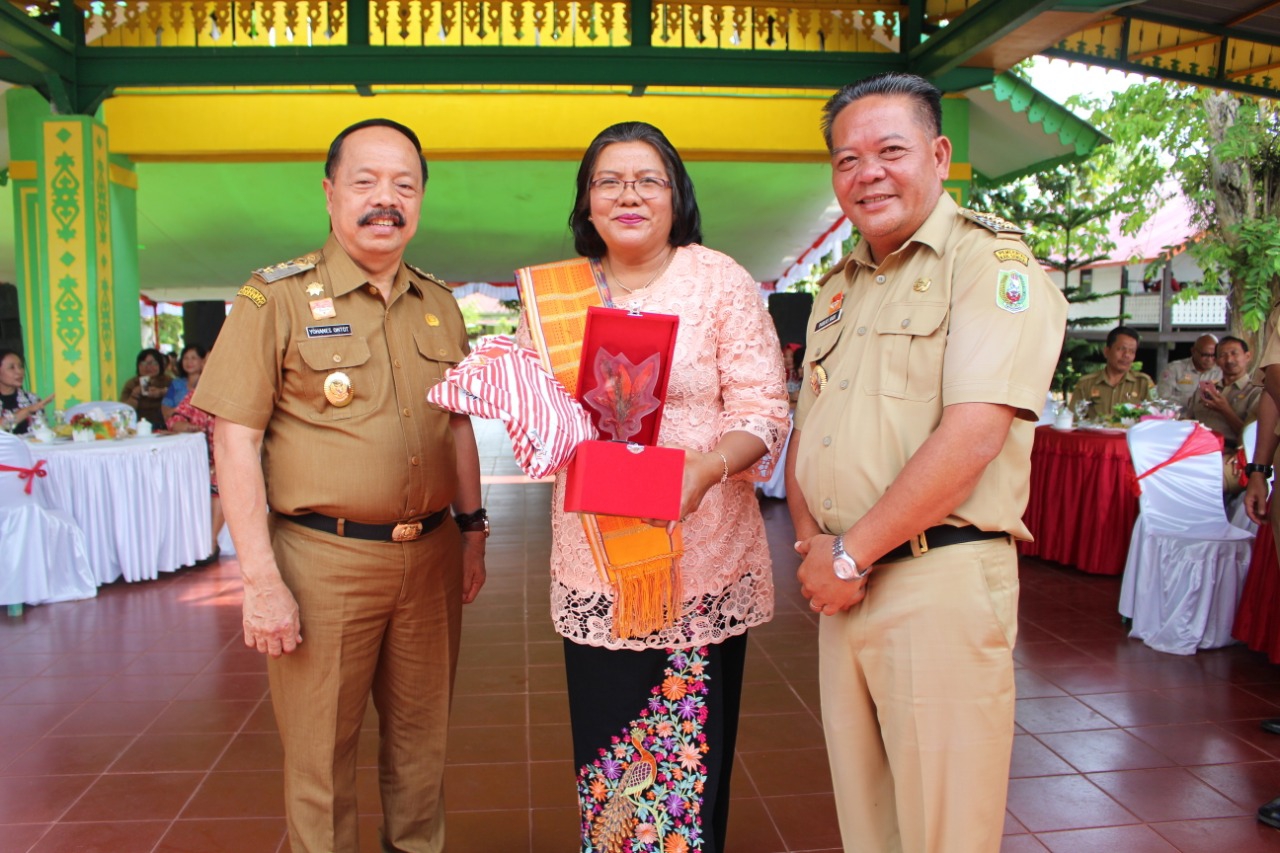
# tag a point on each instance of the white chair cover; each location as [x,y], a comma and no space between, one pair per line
[107,407]
[42,557]
[1186,564]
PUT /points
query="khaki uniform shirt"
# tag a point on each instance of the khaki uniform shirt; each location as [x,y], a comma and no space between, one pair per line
[385,457]
[1133,389]
[929,327]
[1180,379]
[1242,395]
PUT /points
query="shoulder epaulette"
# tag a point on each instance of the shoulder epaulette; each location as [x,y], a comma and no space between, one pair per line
[275,272]
[428,276]
[992,222]
[835,270]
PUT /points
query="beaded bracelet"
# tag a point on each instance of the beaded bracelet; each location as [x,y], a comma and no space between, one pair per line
[724,478]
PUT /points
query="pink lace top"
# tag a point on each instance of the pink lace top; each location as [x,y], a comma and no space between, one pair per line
[727,375]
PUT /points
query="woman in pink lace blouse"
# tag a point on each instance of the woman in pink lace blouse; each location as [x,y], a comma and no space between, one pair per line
[655,717]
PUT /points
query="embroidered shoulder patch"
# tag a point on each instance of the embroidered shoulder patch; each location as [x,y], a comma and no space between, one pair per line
[1012,291]
[1013,255]
[253,295]
[991,222]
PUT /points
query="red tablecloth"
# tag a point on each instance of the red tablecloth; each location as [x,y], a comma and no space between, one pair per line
[1082,507]
[1257,622]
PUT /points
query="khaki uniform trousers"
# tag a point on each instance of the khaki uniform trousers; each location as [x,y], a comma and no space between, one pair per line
[918,702]
[378,617]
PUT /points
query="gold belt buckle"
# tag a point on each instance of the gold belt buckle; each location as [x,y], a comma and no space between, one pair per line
[406,531]
[919,544]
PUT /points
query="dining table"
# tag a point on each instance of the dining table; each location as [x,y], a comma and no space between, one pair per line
[143,502]
[1082,504]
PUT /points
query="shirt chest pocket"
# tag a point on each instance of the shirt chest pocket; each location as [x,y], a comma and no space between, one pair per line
[906,355]
[323,359]
[439,351]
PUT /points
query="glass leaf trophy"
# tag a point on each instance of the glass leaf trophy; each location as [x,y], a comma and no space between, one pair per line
[624,393]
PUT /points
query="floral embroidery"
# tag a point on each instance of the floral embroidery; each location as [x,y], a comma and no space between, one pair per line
[644,793]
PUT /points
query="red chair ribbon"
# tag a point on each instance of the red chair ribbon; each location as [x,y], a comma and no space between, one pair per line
[1200,442]
[28,474]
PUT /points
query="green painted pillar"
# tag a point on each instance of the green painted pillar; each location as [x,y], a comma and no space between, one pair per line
[77,296]
[955,126]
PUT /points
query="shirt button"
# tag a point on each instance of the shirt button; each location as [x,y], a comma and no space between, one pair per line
[844,383]
[373,290]
[862,330]
[442,351]
[826,504]
[826,441]
[336,358]
[413,460]
[406,412]
[879,279]
[396,362]
[906,323]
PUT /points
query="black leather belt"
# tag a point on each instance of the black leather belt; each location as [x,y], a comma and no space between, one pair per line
[405,531]
[941,536]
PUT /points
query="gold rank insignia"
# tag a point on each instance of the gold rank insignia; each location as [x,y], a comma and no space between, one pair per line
[315,289]
[322,309]
[922,285]
[253,295]
[818,379]
[432,320]
[275,272]
[338,390]
[1013,255]
[992,222]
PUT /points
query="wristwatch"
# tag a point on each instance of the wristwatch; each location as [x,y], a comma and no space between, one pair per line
[1258,468]
[473,522]
[846,568]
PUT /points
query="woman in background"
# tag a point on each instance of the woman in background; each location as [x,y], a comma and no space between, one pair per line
[17,405]
[189,365]
[146,390]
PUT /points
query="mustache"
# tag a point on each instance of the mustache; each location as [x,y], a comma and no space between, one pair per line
[396,217]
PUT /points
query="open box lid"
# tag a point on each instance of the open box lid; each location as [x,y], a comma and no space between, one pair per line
[636,336]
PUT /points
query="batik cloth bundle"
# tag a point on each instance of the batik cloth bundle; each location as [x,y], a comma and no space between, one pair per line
[503,380]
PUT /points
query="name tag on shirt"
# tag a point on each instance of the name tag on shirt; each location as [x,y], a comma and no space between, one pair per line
[335,331]
[828,320]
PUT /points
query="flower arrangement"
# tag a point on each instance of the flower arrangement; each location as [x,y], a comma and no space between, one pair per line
[96,422]
[1128,414]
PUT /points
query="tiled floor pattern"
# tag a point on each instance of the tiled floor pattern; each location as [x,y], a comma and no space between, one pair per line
[139,722]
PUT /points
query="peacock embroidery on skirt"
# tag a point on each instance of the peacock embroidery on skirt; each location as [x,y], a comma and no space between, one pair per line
[644,793]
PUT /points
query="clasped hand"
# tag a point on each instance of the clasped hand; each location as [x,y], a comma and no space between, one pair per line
[827,593]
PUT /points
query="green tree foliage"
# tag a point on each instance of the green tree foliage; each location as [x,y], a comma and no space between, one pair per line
[1223,152]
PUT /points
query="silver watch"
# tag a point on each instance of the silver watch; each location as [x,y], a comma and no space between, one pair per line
[846,568]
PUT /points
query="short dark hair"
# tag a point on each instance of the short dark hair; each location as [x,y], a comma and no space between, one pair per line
[686,221]
[177,365]
[1233,339]
[927,98]
[5,353]
[1123,330]
[335,147]
[150,352]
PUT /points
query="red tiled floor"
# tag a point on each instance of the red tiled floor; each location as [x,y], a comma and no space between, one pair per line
[144,702]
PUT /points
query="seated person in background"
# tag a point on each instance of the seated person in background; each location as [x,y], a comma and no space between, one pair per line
[146,390]
[1226,406]
[16,404]
[1117,382]
[1182,378]
[187,418]
[186,374]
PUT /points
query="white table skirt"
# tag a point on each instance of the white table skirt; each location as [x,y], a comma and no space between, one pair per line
[142,502]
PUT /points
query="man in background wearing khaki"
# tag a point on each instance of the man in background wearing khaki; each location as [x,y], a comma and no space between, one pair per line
[354,583]
[929,356]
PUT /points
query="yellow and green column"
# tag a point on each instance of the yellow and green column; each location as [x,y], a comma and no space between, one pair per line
[76,248]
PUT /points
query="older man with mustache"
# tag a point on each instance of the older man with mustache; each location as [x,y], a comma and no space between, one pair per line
[337,478]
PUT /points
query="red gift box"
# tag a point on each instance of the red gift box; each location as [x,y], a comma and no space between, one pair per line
[629,478]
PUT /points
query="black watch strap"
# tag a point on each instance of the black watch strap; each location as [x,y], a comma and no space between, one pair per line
[1258,468]
[473,522]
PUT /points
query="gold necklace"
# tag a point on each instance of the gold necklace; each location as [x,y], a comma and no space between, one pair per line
[613,275]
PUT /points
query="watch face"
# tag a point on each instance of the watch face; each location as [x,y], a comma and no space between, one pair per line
[845,568]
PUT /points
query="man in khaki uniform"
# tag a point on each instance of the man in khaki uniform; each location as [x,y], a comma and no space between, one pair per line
[1181,378]
[928,359]
[1117,382]
[355,580]
[1260,472]
[1228,405]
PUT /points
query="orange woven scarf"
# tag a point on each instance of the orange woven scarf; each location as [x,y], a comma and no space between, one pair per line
[641,563]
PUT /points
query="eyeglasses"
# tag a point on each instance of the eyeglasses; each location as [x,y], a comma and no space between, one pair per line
[611,188]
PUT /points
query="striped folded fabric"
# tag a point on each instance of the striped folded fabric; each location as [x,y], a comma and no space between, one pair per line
[503,380]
